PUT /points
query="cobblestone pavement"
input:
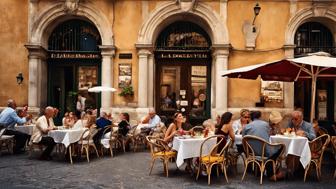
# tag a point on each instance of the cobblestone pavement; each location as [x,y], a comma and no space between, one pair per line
[129,170]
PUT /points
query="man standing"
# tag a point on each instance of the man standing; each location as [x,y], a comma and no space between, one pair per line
[301,127]
[153,121]
[44,124]
[8,119]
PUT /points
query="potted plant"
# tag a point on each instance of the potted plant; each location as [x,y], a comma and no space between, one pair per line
[127,92]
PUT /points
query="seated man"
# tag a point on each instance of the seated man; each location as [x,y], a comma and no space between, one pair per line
[44,124]
[103,120]
[261,129]
[301,127]
[8,119]
[240,123]
[154,120]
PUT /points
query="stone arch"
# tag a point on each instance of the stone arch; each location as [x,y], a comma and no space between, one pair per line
[51,17]
[319,14]
[170,12]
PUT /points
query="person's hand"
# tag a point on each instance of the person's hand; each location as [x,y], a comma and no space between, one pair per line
[29,117]
[300,133]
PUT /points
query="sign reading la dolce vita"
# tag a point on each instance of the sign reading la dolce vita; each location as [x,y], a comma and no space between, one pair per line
[74,55]
[183,55]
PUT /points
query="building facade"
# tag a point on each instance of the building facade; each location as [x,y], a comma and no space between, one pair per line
[169,51]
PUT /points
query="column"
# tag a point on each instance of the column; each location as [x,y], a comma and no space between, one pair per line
[220,56]
[143,78]
[151,88]
[37,89]
[289,86]
[107,52]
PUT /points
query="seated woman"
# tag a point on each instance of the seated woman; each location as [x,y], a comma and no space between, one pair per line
[175,128]
[124,126]
[66,116]
[225,128]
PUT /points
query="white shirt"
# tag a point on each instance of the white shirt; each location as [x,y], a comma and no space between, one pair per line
[236,125]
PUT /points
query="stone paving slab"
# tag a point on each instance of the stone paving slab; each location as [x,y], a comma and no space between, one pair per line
[128,171]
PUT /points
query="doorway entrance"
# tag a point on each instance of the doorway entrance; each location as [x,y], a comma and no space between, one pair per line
[74,65]
[183,72]
[313,37]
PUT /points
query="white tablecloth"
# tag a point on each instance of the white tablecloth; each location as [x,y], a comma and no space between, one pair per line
[66,136]
[27,129]
[295,146]
[105,141]
[190,148]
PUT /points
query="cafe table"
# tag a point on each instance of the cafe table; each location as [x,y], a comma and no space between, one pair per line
[27,129]
[189,147]
[66,137]
[295,145]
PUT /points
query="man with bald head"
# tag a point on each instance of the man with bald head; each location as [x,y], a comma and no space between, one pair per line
[301,127]
[153,121]
[44,124]
[8,119]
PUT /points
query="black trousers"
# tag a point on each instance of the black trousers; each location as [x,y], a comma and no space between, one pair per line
[269,167]
[20,139]
[49,142]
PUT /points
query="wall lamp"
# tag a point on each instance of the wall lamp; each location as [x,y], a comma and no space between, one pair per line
[19,78]
[256,9]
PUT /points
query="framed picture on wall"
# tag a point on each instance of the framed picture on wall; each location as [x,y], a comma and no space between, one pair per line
[125,75]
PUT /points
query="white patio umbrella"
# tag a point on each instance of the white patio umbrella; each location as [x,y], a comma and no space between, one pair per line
[313,66]
[98,89]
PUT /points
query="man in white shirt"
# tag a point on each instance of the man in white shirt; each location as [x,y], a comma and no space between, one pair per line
[239,124]
[44,124]
[153,121]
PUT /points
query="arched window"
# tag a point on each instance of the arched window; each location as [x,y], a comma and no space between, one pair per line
[75,35]
[313,37]
[183,35]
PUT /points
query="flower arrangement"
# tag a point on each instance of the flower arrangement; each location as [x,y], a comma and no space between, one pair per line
[126,91]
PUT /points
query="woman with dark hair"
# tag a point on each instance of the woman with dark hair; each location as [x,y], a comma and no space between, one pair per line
[124,125]
[225,128]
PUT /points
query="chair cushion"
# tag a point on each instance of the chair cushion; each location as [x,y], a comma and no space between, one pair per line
[165,153]
[212,159]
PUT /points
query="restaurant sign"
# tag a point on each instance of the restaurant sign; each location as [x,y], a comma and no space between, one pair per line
[60,55]
[193,55]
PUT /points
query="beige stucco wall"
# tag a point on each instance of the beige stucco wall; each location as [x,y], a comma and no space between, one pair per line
[272,22]
[13,55]
[126,22]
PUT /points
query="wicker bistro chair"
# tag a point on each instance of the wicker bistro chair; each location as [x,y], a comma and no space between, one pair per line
[6,141]
[256,152]
[214,158]
[160,150]
[86,141]
[113,139]
[333,142]
[317,148]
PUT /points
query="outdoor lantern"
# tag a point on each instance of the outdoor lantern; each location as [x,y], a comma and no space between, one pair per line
[256,9]
[19,78]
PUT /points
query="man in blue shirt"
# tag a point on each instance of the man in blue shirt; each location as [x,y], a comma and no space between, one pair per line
[103,121]
[8,119]
[301,127]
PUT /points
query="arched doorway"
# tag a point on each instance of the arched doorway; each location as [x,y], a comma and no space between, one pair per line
[313,37]
[183,72]
[74,64]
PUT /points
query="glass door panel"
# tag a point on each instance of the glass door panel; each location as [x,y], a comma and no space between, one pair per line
[169,87]
[199,92]
[87,78]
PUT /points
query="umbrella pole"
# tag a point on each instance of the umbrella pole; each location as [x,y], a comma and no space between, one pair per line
[313,96]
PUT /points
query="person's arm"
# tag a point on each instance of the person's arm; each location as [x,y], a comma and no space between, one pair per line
[231,133]
[169,133]
[39,126]
[17,119]
[311,133]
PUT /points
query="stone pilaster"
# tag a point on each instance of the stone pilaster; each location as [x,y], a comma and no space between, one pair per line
[37,76]
[107,52]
